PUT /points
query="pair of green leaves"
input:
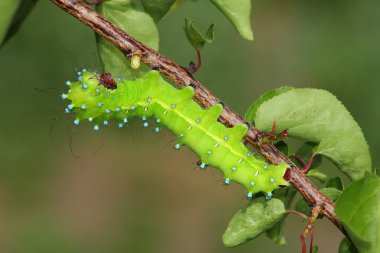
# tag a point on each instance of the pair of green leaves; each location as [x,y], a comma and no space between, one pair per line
[319,118]
[238,12]
[195,37]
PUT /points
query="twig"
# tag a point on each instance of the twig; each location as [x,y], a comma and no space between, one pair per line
[304,216]
[182,78]
[194,68]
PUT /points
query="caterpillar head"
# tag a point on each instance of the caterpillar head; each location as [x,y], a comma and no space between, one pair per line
[90,98]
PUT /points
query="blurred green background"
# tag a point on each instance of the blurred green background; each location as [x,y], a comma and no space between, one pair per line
[129,191]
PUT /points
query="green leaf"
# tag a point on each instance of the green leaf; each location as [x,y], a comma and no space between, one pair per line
[347,247]
[315,249]
[283,147]
[12,14]
[335,182]
[195,37]
[251,221]
[316,115]
[239,13]
[322,177]
[136,23]
[303,207]
[332,193]
[276,234]
[157,8]
[359,210]
[286,195]
[250,114]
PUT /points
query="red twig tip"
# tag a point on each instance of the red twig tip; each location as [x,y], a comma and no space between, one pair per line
[273,136]
[306,168]
[194,68]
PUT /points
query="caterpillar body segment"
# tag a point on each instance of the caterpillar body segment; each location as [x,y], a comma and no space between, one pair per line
[198,128]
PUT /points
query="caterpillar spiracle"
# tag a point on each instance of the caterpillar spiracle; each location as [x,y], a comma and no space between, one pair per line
[198,128]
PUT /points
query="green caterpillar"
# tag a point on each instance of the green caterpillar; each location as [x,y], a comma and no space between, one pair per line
[197,128]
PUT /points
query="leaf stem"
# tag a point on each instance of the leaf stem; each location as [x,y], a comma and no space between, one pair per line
[298,213]
[194,68]
[182,78]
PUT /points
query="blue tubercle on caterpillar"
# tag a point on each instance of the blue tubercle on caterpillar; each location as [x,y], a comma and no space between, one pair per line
[216,145]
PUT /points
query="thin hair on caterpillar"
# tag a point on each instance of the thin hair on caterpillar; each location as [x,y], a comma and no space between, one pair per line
[70,131]
[102,144]
[78,68]
[100,147]
[48,91]
[74,62]
[53,125]
[55,115]
[94,150]
[96,58]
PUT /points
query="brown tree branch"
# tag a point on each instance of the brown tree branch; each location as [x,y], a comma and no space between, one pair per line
[179,75]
